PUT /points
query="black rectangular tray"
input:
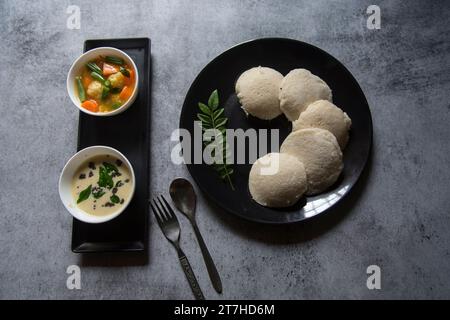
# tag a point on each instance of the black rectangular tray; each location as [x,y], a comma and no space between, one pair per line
[128,132]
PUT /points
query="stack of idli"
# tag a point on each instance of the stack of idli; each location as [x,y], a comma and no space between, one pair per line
[310,159]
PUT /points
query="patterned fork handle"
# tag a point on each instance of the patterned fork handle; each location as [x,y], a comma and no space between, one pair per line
[190,275]
[170,227]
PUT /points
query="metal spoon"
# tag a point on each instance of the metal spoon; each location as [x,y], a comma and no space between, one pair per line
[183,195]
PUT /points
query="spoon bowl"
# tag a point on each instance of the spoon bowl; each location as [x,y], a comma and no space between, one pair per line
[183,195]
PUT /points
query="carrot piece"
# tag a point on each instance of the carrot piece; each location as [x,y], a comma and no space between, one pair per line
[90,105]
[129,80]
[86,79]
[109,69]
[125,93]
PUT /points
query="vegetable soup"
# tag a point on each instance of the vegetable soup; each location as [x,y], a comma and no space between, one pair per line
[105,84]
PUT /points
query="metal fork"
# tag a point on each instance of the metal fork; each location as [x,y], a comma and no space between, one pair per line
[170,227]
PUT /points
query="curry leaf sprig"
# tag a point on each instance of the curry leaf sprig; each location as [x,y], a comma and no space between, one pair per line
[212,117]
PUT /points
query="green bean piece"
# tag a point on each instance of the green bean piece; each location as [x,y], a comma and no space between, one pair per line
[115,60]
[81,92]
[125,72]
[116,105]
[105,92]
[94,67]
[98,77]
[108,83]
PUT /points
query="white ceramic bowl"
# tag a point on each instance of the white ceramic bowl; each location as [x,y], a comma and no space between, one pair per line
[66,178]
[80,64]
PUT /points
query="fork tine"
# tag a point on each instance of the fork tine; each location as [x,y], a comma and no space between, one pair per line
[157,215]
[166,212]
[169,215]
[162,211]
[169,208]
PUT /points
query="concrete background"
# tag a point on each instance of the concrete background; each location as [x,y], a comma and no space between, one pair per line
[398,218]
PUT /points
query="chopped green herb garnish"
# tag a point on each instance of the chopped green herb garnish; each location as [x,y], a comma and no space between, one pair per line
[114,199]
[84,195]
[98,193]
[105,180]
[110,167]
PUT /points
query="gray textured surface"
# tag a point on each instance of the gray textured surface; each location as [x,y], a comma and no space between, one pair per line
[398,219]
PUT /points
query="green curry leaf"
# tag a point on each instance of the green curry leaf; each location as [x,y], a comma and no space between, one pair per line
[204,108]
[84,195]
[213,101]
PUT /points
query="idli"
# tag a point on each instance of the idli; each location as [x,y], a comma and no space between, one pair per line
[319,152]
[325,115]
[277,180]
[257,90]
[299,88]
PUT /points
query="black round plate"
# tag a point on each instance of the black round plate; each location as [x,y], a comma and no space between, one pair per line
[282,55]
